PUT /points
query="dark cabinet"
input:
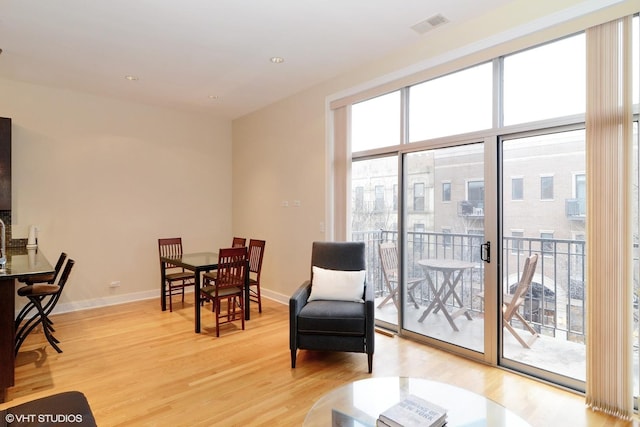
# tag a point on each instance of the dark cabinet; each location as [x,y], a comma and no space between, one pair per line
[5,164]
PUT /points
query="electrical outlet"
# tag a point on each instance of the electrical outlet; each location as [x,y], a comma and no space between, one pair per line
[115,284]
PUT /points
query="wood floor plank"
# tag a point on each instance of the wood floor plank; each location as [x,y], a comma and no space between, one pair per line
[139,366]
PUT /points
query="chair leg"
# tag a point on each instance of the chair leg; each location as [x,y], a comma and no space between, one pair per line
[370,361]
[217,304]
[23,313]
[293,358]
[40,318]
[391,296]
[259,299]
[241,305]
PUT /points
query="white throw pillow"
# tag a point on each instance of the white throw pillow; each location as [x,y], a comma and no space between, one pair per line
[337,285]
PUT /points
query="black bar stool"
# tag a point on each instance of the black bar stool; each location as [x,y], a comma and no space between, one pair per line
[37,293]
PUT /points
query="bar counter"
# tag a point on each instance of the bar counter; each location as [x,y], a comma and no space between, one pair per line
[20,263]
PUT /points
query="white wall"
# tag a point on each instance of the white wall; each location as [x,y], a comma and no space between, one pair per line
[279,151]
[103,179]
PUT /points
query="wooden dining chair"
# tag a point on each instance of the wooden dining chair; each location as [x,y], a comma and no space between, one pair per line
[177,278]
[238,242]
[256,254]
[227,285]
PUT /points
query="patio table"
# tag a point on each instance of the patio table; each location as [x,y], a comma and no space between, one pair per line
[451,270]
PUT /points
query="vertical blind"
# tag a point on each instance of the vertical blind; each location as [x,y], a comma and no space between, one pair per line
[609,381]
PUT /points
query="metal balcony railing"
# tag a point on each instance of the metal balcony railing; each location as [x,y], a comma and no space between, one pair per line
[555,304]
[575,208]
[471,208]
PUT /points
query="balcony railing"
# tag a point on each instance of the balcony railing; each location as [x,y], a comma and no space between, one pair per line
[471,208]
[575,208]
[555,303]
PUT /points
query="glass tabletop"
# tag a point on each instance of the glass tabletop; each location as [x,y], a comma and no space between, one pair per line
[194,260]
[25,262]
[360,403]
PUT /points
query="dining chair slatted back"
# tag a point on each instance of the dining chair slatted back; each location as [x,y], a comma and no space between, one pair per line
[389,261]
[37,293]
[513,302]
[256,255]
[239,242]
[228,285]
[177,278]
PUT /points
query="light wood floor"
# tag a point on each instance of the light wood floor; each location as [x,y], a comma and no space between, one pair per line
[139,366]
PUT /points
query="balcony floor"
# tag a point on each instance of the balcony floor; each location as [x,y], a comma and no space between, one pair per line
[552,354]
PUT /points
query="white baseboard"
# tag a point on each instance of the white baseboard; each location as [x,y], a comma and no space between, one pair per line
[67,307]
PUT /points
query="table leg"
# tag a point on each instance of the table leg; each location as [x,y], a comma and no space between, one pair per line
[438,302]
[456,297]
[196,299]
[247,294]
[446,284]
[163,286]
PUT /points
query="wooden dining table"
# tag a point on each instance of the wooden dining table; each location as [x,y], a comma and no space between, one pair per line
[199,262]
[20,263]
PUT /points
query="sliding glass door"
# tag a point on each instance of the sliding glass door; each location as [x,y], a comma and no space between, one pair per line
[544,214]
[443,233]
[374,219]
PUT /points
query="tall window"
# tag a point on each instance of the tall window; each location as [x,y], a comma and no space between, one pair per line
[517,244]
[395,197]
[379,200]
[547,242]
[580,193]
[418,196]
[546,187]
[475,193]
[359,202]
[543,92]
[446,191]
[517,188]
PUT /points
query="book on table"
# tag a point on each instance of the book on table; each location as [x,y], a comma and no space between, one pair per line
[413,411]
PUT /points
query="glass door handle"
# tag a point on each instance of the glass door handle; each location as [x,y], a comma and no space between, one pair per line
[485,252]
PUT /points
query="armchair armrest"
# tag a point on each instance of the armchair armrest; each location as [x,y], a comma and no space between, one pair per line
[370,308]
[296,302]
[299,298]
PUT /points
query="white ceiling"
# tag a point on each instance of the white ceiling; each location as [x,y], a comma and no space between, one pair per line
[184,51]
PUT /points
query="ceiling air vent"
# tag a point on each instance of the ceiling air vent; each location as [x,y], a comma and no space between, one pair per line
[429,24]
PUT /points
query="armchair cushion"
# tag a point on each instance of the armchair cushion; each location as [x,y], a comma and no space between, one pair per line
[337,285]
[342,318]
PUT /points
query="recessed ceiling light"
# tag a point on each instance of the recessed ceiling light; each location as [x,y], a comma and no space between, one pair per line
[277,60]
[131,78]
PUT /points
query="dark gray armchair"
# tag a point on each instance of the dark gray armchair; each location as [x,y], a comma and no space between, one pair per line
[333,325]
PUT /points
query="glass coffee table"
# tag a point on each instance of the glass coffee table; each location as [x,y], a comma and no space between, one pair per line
[359,403]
